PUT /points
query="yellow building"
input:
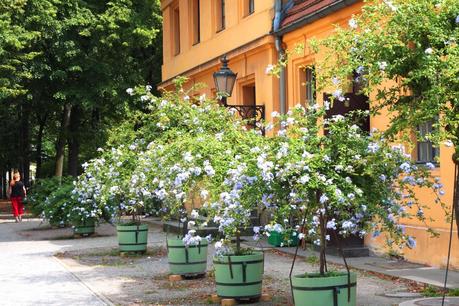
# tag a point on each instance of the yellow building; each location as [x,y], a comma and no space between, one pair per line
[253,34]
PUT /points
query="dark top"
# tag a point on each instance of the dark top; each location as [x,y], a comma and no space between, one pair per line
[17,190]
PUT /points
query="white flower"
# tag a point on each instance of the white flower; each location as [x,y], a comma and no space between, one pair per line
[202,98]
[148,88]
[163,103]
[382,65]
[130,91]
[411,242]
[219,244]
[323,198]
[331,224]
[390,5]
[269,69]
[204,194]
[335,81]
[219,136]
[186,98]
[353,23]
[194,214]
[275,114]
[428,51]
[187,156]
[256,229]
[304,179]
[448,143]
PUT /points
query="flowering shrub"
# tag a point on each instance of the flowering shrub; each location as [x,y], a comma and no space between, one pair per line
[342,180]
[405,51]
[180,154]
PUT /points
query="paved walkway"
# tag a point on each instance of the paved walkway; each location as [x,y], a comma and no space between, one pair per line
[29,275]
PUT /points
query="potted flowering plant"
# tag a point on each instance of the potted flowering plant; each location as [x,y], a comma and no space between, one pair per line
[341,181]
[108,186]
[186,164]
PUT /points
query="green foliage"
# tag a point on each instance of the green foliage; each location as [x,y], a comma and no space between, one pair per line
[41,190]
[432,291]
[52,199]
[71,52]
[406,52]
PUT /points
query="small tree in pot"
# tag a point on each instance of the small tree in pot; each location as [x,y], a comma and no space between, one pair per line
[186,164]
[109,183]
[339,180]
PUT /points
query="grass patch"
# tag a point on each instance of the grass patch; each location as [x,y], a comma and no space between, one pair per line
[432,291]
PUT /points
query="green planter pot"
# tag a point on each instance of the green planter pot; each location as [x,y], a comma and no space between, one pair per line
[132,238]
[276,239]
[191,260]
[87,228]
[332,290]
[239,277]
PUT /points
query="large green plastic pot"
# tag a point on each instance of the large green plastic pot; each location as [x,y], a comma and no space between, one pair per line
[239,277]
[86,228]
[332,290]
[132,238]
[280,239]
[189,260]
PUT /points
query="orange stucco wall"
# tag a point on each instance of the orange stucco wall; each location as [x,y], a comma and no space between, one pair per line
[250,49]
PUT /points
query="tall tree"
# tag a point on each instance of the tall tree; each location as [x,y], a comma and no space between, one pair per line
[64,69]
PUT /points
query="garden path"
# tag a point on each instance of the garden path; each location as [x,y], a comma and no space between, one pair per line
[30,275]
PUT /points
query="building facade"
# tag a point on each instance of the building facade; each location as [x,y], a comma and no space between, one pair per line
[253,34]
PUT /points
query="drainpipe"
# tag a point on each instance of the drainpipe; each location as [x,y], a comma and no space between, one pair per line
[281,53]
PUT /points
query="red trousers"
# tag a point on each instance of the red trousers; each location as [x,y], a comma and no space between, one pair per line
[18,206]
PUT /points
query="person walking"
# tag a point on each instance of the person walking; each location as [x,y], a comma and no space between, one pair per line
[17,193]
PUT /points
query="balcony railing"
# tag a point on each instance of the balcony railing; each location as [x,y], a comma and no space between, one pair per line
[254,115]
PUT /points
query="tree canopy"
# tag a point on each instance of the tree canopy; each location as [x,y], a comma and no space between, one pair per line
[64,69]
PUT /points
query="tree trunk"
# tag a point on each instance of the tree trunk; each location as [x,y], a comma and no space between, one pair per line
[2,182]
[61,141]
[74,144]
[38,153]
[456,189]
[238,242]
[25,145]
[323,240]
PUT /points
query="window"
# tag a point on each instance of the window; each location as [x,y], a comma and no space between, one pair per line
[176,30]
[220,15]
[251,6]
[426,152]
[308,85]
[196,21]
[248,7]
